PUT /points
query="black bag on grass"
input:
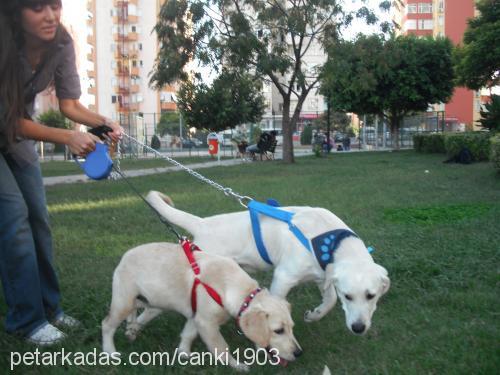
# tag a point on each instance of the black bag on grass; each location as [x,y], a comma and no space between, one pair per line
[463,157]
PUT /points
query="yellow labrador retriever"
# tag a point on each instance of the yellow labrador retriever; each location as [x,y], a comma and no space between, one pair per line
[326,251]
[159,276]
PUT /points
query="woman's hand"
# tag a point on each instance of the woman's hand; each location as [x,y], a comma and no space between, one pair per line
[82,143]
[117,133]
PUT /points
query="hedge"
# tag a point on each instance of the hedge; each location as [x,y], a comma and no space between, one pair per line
[477,142]
[429,142]
[495,152]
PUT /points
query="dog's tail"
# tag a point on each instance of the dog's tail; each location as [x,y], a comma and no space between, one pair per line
[165,207]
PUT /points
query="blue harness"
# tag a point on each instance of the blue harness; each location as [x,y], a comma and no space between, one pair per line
[323,246]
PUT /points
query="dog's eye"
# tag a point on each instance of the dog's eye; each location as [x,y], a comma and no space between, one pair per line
[279,331]
[348,297]
[370,296]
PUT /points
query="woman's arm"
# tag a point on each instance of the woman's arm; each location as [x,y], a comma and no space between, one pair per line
[74,110]
[78,142]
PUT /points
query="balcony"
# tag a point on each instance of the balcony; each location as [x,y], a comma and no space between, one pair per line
[122,89]
[125,19]
[168,106]
[92,91]
[91,73]
[134,71]
[122,72]
[122,3]
[91,40]
[128,37]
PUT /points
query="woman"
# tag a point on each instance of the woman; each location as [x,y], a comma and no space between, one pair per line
[36,51]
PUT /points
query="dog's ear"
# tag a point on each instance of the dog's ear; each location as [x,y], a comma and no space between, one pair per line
[255,326]
[386,282]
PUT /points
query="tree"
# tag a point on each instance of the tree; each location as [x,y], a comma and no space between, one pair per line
[267,38]
[54,119]
[490,119]
[233,98]
[478,60]
[391,78]
[168,124]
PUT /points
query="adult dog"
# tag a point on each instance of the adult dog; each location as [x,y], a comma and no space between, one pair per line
[158,277]
[353,275]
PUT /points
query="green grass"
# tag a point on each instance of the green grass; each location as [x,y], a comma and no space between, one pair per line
[437,233]
[69,167]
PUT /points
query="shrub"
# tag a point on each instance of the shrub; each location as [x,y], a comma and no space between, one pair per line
[429,142]
[495,152]
[306,135]
[477,142]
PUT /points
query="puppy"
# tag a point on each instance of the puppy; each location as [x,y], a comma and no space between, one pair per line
[353,274]
[158,277]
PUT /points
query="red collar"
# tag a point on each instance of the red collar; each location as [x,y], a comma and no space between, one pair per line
[189,248]
[244,306]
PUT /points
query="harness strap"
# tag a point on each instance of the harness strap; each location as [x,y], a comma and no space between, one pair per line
[189,248]
[255,208]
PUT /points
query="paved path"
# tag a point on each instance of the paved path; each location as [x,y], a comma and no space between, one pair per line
[49,181]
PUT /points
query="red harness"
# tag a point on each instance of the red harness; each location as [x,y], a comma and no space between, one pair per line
[189,248]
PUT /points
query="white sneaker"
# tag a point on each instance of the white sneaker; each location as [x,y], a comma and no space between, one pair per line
[47,335]
[64,320]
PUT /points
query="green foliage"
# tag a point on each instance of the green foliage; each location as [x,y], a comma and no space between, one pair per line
[54,119]
[495,152]
[258,36]
[477,62]
[477,142]
[490,119]
[306,135]
[429,142]
[393,77]
[169,124]
[233,99]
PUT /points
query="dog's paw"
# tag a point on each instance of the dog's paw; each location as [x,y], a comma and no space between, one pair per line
[312,316]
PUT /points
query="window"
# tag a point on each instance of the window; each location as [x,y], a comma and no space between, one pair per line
[425,24]
[441,6]
[411,8]
[410,25]
[425,8]
[113,99]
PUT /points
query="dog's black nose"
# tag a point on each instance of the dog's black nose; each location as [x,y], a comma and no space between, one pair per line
[358,327]
[297,352]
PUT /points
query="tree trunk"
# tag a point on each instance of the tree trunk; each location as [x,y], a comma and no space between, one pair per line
[395,119]
[287,126]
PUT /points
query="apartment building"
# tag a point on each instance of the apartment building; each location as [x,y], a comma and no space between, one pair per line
[122,50]
[443,18]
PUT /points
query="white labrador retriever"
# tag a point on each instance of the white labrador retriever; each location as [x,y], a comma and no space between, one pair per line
[158,277]
[353,275]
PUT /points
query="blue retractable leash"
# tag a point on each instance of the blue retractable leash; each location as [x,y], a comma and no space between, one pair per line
[98,164]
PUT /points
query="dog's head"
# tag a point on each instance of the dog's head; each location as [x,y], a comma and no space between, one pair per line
[267,322]
[359,286]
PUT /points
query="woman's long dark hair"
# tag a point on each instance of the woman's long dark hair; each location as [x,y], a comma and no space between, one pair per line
[11,90]
[11,81]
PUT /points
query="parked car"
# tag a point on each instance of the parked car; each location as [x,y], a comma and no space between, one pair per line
[189,143]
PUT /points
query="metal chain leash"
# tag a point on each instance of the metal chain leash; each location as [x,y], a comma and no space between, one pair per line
[227,191]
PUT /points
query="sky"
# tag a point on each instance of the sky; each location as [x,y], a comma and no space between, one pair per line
[74,15]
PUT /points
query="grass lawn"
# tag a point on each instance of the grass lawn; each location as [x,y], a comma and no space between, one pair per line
[69,167]
[437,233]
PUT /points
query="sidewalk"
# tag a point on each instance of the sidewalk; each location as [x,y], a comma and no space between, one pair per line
[50,181]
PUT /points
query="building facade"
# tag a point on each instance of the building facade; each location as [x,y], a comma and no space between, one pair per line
[443,18]
[122,50]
